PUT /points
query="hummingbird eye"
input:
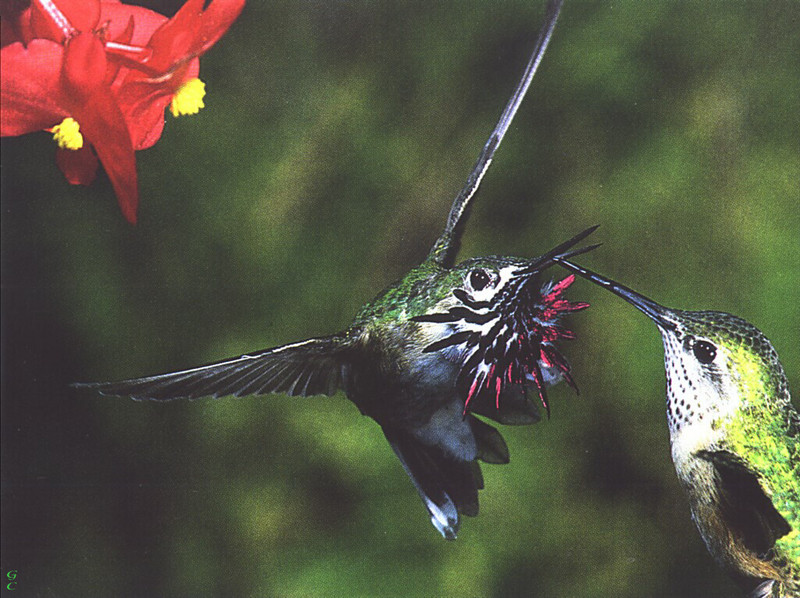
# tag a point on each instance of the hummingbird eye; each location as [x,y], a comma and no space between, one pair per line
[704,351]
[479,279]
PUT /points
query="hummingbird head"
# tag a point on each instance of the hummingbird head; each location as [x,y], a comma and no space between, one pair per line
[501,320]
[716,363]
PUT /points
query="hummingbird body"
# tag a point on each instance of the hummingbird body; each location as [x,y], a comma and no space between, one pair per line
[426,355]
[444,343]
[735,440]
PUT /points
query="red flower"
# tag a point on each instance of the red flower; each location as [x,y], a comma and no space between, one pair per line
[104,72]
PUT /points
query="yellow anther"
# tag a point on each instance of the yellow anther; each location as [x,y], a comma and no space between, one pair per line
[189,98]
[67,134]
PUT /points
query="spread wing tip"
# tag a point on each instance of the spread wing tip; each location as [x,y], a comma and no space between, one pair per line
[309,368]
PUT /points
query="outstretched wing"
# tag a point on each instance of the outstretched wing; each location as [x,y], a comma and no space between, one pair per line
[312,367]
[446,247]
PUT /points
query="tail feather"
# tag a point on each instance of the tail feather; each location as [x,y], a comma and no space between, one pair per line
[448,486]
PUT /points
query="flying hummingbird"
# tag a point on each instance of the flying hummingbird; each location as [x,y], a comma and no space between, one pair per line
[735,439]
[442,344]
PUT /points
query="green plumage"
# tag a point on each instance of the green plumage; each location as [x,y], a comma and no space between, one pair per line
[735,440]
[762,434]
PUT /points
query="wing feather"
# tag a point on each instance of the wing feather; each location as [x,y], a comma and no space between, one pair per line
[745,503]
[312,367]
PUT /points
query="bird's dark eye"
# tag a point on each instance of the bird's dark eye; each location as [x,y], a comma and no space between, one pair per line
[479,279]
[704,351]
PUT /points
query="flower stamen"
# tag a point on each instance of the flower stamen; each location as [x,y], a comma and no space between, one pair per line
[135,52]
[58,17]
[189,98]
[67,134]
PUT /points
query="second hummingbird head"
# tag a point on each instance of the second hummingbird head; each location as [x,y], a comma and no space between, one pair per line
[716,363]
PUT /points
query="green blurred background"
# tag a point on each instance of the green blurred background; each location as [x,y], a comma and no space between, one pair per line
[334,137]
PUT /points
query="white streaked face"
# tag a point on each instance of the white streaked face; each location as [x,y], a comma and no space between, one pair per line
[499,324]
[701,387]
[483,283]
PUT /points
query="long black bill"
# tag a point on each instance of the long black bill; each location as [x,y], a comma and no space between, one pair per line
[446,247]
[560,252]
[658,313]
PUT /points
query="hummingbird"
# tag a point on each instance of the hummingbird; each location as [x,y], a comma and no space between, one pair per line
[735,440]
[445,343]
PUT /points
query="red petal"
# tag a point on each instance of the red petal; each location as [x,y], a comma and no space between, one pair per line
[217,18]
[191,31]
[174,39]
[117,16]
[32,97]
[83,15]
[103,125]
[148,87]
[84,65]
[143,102]
[79,167]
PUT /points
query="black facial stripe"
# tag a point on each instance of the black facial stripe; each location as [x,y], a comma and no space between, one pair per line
[436,318]
[470,316]
[464,297]
[456,314]
[453,339]
[491,337]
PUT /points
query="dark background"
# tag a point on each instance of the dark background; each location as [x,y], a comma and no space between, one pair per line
[334,137]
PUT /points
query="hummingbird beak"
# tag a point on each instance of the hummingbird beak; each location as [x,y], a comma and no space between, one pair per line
[560,252]
[658,313]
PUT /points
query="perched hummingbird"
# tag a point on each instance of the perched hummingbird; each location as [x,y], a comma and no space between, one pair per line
[444,343]
[735,440]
